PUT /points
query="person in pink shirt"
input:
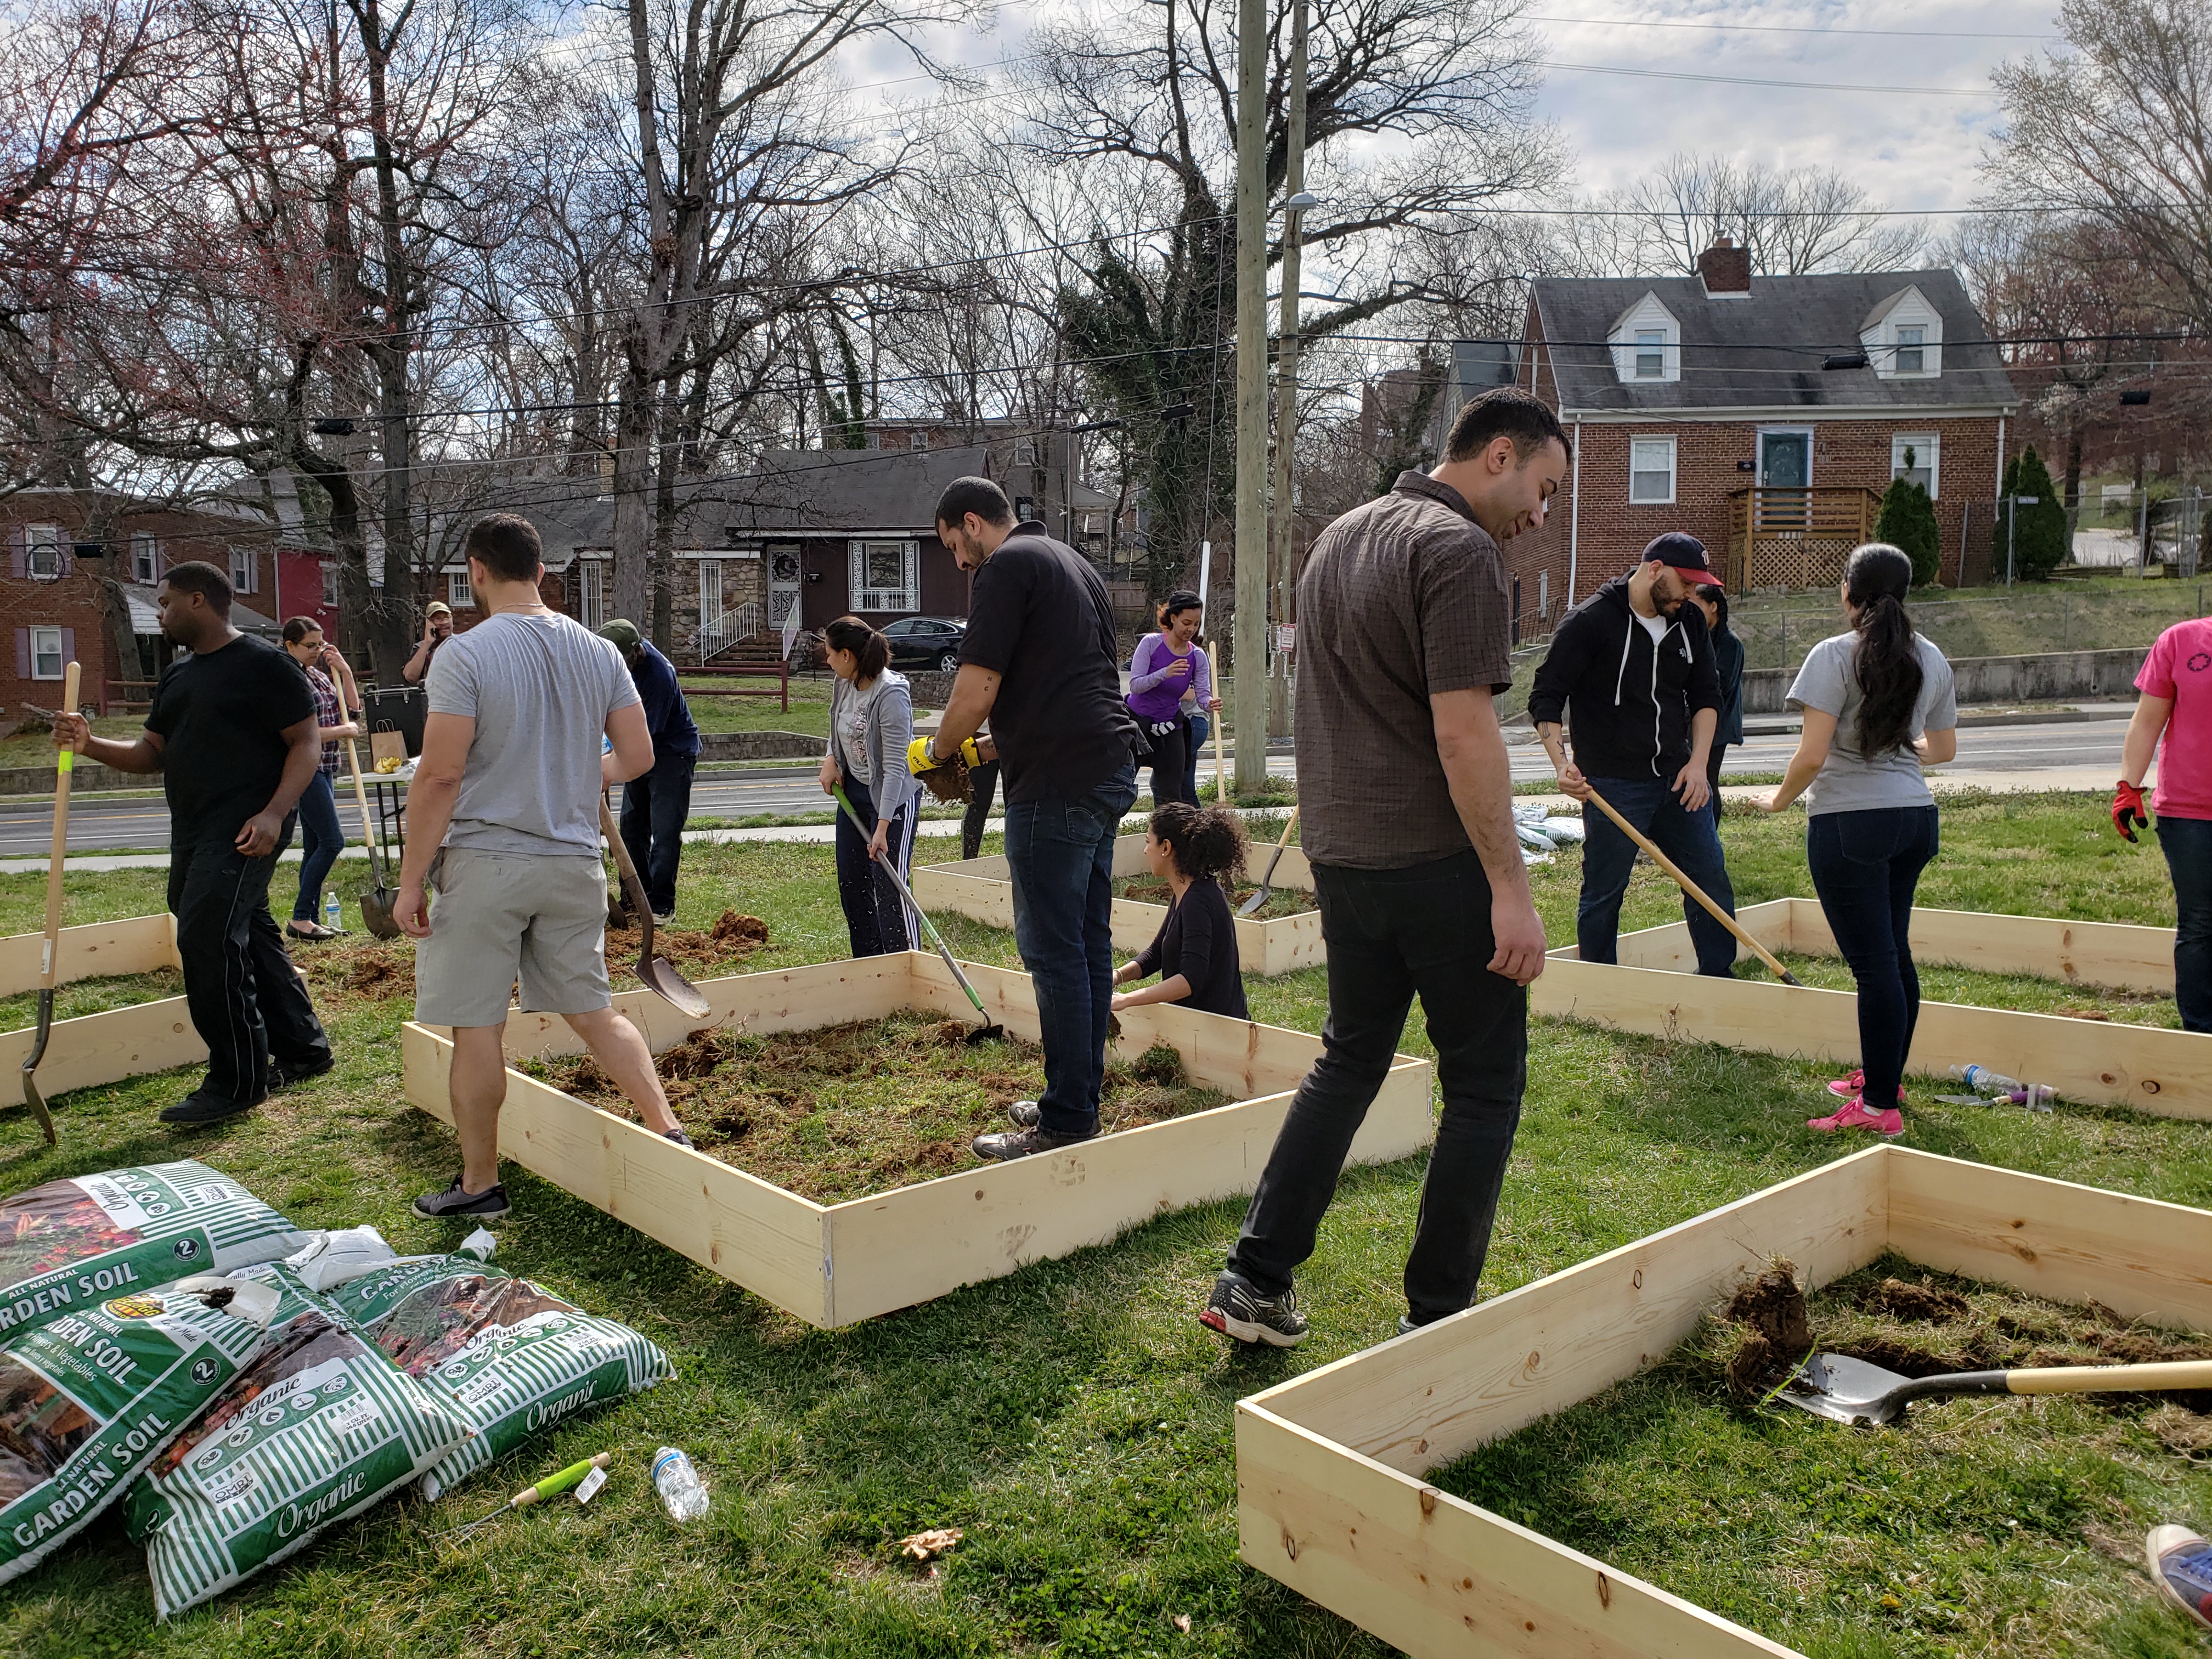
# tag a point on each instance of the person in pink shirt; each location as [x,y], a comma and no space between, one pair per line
[2176,704]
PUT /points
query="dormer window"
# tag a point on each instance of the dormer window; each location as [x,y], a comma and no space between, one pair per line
[1651,354]
[1910,343]
[1647,342]
[1903,337]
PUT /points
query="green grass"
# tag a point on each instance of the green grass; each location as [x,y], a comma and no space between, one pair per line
[35,747]
[1073,1419]
[809,712]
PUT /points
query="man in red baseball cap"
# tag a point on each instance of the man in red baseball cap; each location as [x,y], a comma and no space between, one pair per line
[1636,664]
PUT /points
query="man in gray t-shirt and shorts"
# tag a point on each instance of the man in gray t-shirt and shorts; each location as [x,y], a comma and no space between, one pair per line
[504,820]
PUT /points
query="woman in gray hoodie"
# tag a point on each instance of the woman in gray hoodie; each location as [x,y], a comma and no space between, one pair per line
[870,725]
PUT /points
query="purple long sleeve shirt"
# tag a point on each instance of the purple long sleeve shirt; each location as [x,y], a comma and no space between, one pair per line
[1156,692]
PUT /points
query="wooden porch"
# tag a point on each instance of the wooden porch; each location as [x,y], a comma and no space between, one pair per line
[1796,537]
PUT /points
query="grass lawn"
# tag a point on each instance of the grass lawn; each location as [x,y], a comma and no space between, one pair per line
[809,712]
[1074,1418]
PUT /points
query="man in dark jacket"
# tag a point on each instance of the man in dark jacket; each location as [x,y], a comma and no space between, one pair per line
[656,806]
[1635,663]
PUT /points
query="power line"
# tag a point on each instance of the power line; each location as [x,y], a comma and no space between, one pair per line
[1789,28]
[1760,81]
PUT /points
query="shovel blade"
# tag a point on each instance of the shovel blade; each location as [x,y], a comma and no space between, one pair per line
[659,974]
[1844,1390]
[1251,906]
[376,912]
[32,1098]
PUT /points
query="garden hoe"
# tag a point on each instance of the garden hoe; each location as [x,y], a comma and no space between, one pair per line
[376,903]
[1695,891]
[49,960]
[989,1030]
[656,973]
[1251,906]
[1847,1390]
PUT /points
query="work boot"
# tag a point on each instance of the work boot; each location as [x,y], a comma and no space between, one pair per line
[200,1108]
[283,1074]
[1010,1143]
[1236,1309]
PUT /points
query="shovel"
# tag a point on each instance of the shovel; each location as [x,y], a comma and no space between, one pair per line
[989,1030]
[1251,906]
[617,912]
[656,973]
[1695,891]
[376,903]
[49,962]
[1847,1390]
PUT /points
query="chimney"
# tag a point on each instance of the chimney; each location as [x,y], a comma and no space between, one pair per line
[1726,268]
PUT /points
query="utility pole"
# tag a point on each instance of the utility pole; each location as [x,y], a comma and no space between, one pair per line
[1250,639]
[1296,201]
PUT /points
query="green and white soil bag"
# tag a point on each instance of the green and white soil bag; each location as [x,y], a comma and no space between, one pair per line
[72,1244]
[319,1428]
[516,1358]
[89,1398]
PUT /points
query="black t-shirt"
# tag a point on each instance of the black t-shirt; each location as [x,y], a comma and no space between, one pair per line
[1199,941]
[221,718]
[1040,618]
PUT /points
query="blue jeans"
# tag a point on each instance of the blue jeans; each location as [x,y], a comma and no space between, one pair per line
[1865,866]
[1062,851]
[2187,844]
[320,838]
[1690,839]
[653,811]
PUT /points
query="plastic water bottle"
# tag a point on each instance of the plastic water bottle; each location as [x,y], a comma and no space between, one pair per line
[682,1494]
[333,913]
[1980,1080]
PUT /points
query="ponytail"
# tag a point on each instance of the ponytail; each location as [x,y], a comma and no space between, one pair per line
[1208,843]
[870,649]
[1887,665]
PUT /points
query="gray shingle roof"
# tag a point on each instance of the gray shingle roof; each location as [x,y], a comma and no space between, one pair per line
[1764,352]
[849,489]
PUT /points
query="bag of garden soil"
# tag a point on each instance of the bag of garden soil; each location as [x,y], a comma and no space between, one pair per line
[514,1358]
[90,1398]
[320,1427]
[68,1244]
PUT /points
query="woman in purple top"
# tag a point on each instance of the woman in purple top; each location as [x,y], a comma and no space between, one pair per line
[1167,667]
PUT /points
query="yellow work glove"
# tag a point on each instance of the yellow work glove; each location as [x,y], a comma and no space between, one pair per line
[919,759]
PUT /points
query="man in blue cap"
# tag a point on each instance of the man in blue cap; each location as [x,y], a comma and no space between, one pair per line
[1634,664]
[656,806]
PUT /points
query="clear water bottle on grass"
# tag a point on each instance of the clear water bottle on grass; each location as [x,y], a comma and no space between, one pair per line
[682,1494]
[333,913]
[1980,1080]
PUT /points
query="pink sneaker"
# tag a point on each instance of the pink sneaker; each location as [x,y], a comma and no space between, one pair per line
[1855,1115]
[1848,1086]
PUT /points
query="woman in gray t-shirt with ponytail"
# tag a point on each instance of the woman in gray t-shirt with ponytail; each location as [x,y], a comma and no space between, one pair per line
[1878,705]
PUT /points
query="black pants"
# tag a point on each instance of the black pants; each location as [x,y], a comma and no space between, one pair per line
[875,914]
[1392,934]
[653,811]
[247,1000]
[1865,866]
[1170,764]
[982,784]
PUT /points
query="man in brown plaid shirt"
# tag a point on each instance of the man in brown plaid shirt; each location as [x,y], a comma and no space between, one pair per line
[1407,797]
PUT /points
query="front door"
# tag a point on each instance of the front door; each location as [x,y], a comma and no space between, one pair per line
[782,582]
[1785,461]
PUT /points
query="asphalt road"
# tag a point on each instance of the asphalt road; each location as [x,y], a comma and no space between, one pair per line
[107,826]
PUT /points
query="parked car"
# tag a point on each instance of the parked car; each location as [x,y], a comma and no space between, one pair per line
[926,642]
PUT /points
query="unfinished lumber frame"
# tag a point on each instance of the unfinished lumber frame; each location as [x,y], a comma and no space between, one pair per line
[1329,1467]
[983,889]
[94,1049]
[1655,991]
[835,1264]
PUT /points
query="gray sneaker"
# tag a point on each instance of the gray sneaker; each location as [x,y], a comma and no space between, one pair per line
[1236,1309]
[454,1204]
[1011,1144]
[1023,1114]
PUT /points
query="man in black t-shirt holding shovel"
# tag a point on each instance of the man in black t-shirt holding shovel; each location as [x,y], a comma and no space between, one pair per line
[233,733]
[1040,662]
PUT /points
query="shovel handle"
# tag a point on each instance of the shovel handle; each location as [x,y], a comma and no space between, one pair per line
[2111,1379]
[50,965]
[1694,891]
[928,926]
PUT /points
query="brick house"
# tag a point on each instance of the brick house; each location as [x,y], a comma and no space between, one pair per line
[1765,415]
[73,594]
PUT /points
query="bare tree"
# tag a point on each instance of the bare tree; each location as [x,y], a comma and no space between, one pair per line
[2118,129]
[1796,221]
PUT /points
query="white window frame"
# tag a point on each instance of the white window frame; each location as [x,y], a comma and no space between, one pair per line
[1918,345]
[1026,453]
[245,569]
[55,634]
[459,594]
[592,592]
[1648,315]
[42,539]
[145,558]
[1647,442]
[1651,354]
[333,593]
[710,594]
[917,440]
[1928,450]
[904,600]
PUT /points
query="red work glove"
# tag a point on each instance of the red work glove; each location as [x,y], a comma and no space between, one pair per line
[2128,803]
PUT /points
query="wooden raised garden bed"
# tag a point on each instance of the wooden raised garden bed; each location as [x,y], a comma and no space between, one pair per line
[1655,990]
[984,889]
[1330,1495]
[835,1264]
[103,1048]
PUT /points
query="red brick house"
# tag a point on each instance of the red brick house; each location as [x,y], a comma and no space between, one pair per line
[59,607]
[1765,415]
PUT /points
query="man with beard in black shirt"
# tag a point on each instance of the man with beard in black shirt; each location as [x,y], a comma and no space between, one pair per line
[233,733]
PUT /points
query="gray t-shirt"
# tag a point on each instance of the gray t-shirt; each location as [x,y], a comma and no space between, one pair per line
[1848,781]
[540,689]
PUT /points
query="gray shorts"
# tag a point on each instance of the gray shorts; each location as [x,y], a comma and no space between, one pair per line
[497,917]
